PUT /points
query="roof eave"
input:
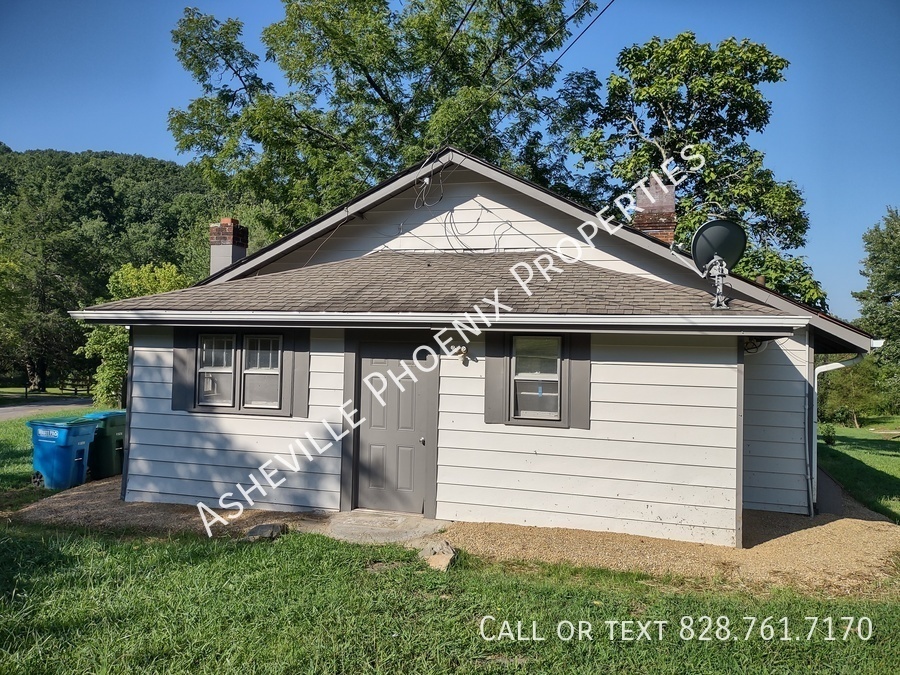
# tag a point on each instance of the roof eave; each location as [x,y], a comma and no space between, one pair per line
[760,326]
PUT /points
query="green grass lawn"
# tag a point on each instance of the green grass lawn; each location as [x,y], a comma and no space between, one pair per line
[88,602]
[91,603]
[867,464]
[15,459]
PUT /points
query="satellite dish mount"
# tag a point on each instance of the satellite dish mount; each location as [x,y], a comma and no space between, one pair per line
[717,270]
[716,248]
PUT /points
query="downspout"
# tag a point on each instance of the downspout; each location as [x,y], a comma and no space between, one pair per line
[813,466]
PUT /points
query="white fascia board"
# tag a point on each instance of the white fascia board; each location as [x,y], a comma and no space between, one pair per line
[387,318]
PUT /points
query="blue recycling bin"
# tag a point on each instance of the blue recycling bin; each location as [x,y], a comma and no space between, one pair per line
[61,447]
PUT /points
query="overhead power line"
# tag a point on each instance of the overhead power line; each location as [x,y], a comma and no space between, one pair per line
[552,64]
[507,79]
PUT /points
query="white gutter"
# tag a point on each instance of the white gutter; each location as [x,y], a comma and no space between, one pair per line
[552,320]
[812,466]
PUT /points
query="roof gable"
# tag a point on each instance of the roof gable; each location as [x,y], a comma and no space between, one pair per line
[837,334]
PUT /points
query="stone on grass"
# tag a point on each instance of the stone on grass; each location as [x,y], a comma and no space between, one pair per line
[438,554]
[266,531]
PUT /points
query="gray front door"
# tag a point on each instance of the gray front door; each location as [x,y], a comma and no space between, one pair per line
[396,466]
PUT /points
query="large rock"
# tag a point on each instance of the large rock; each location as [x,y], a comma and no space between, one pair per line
[438,554]
[266,532]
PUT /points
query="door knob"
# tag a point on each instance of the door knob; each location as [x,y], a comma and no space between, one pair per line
[422,440]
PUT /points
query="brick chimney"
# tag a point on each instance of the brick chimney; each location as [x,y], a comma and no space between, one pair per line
[658,217]
[227,243]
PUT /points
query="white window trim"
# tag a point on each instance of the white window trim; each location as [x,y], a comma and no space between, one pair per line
[201,370]
[277,372]
[536,377]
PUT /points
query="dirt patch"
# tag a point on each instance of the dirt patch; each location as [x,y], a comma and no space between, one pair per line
[97,505]
[852,554]
[856,553]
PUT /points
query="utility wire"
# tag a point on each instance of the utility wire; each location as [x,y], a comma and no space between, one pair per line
[493,92]
[510,77]
[552,64]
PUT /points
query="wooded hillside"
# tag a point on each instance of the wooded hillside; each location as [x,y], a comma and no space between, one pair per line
[68,221]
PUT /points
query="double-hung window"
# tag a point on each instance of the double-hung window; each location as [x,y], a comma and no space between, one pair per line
[536,366]
[538,380]
[262,371]
[246,372]
[215,370]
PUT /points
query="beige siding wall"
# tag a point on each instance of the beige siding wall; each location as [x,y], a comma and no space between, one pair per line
[184,458]
[472,213]
[775,386]
[659,459]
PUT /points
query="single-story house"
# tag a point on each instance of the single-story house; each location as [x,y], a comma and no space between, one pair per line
[457,342]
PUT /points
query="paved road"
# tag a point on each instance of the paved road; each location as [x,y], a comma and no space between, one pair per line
[38,407]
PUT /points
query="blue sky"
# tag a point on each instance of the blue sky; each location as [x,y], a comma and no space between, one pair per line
[102,75]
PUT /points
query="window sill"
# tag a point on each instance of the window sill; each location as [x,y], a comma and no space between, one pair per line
[550,424]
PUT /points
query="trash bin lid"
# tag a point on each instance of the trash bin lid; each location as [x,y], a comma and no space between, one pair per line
[106,414]
[60,422]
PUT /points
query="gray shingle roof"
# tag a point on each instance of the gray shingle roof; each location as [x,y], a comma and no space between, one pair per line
[389,281]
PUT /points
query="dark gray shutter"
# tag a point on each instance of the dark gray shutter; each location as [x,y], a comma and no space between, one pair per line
[300,407]
[185,355]
[496,379]
[580,381]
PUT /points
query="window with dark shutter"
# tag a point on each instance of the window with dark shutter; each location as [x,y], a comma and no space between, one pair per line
[538,380]
[241,372]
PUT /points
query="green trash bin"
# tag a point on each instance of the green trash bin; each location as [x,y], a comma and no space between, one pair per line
[107,450]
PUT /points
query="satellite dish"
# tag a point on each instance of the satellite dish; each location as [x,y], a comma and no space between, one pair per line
[722,238]
[717,247]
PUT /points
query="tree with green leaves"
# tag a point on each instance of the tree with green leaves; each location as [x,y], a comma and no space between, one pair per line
[370,89]
[849,394]
[667,94]
[880,301]
[67,222]
[41,256]
[109,344]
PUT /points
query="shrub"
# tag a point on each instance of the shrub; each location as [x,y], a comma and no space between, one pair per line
[829,434]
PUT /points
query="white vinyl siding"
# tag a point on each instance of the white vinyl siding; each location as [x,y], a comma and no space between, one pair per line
[183,457]
[659,459]
[478,215]
[775,390]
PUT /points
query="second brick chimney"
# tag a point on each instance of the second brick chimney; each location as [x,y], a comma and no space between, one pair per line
[227,243]
[658,216]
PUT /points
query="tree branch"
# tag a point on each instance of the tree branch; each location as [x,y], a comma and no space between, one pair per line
[321,132]
[382,94]
[637,132]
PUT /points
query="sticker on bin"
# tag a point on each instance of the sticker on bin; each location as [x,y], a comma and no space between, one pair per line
[48,433]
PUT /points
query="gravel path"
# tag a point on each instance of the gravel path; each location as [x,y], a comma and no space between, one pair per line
[858,553]
[10,412]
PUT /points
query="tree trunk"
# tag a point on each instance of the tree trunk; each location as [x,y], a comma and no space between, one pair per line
[855,420]
[31,373]
[37,374]
[42,373]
